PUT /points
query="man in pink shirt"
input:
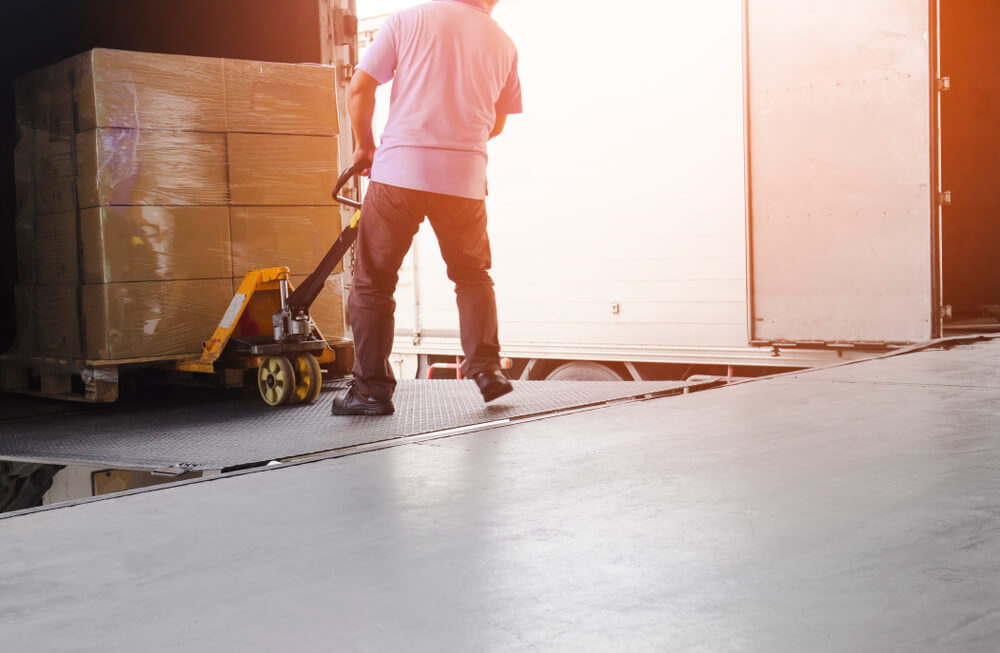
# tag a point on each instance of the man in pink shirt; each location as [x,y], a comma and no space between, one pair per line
[454,74]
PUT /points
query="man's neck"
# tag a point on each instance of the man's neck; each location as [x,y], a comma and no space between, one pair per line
[485,5]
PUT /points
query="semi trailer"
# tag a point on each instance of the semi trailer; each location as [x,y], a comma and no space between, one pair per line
[730,185]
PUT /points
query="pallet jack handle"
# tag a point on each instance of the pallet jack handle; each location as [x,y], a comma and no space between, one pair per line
[302,297]
[353,171]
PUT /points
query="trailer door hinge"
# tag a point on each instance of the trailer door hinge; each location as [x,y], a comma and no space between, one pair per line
[944,198]
[345,27]
[943,84]
[946,312]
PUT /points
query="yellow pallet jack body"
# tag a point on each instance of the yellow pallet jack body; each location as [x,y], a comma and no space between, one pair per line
[267,325]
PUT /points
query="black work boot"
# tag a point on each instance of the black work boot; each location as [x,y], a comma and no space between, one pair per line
[354,403]
[492,384]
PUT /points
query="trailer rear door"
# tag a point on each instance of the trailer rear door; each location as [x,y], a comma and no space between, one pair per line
[840,170]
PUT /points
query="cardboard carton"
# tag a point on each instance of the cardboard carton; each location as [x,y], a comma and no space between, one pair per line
[328,309]
[24,243]
[295,237]
[278,98]
[154,243]
[52,104]
[54,178]
[142,90]
[57,321]
[281,170]
[136,167]
[55,250]
[24,178]
[153,318]
[24,319]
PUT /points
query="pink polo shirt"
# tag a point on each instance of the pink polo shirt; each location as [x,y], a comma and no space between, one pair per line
[453,70]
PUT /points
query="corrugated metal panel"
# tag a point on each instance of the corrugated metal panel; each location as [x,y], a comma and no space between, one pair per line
[840,169]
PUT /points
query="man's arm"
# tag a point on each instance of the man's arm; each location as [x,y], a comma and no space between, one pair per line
[361,107]
[509,101]
[498,126]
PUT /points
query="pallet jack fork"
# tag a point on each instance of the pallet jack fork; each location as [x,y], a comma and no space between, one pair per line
[268,326]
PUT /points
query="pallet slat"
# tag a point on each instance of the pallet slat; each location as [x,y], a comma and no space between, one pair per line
[55,379]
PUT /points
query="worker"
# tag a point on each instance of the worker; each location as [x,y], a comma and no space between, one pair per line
[455,80]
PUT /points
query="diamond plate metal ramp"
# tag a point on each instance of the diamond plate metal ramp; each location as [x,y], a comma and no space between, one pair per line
[228,432]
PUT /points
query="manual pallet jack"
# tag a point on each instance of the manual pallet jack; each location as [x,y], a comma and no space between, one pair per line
[267,325]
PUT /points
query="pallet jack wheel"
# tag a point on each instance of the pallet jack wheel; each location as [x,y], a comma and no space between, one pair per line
[275,380]
[308,379]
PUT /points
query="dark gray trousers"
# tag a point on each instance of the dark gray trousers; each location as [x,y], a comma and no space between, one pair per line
[390,217]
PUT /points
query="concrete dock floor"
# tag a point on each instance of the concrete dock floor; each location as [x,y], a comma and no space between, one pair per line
[851,509]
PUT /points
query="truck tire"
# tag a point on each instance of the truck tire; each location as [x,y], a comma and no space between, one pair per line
[22,485]
[583,371]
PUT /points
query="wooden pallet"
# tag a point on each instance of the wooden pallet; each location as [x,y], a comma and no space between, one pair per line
[47,378]
[97,381]
[93,381]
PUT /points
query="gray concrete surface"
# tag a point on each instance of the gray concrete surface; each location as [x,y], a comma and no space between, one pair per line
[855,509]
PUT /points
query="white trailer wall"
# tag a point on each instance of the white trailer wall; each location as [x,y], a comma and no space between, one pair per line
[621,184]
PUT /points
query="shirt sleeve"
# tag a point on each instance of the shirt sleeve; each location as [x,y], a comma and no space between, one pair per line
[380,57]
[510,96]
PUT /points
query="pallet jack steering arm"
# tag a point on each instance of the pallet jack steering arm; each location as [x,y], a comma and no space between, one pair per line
[305,294]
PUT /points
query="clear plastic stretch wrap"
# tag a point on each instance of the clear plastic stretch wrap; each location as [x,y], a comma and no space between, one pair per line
[150,167]
[114,321]
[56,252]
[155,243]
[24,176]
[154,318]
[297,236]
[328,309]
[141,90]
[24,309]
[279,98]
[24,236]
[57,319]
[282,169]
[52,107]
[24,150]
[148,183]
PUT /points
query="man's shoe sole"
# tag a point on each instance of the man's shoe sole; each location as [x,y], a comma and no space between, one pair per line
[364,411]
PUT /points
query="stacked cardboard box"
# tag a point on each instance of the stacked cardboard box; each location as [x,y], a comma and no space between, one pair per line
[149,184]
